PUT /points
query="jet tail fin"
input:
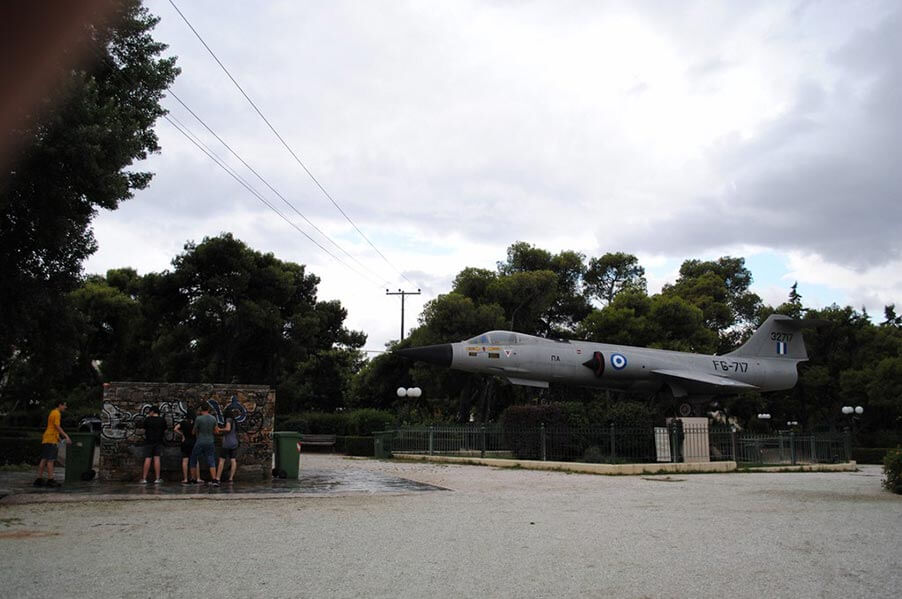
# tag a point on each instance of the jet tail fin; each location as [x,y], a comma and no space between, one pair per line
[779,337]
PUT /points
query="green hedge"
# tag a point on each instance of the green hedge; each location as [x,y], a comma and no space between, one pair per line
[892,470]
[20,450]
[353,423]
[356,446]
[869,455]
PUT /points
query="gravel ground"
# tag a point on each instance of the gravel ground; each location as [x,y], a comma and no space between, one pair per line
[497,533]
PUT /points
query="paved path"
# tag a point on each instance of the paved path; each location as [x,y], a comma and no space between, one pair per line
[497,533]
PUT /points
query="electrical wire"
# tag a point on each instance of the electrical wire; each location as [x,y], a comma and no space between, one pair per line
[284,143]
[264,181]
[224,166]
[194,139]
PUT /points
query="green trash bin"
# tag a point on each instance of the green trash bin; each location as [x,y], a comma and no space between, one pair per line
[382,444]
[80,457]
[285,444]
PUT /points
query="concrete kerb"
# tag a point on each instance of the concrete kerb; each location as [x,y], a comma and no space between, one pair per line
[581,468]
[851,466]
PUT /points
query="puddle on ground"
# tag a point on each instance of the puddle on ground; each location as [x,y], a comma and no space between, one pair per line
[316,482]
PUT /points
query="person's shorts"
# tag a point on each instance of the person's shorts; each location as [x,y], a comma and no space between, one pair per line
[153,450]
[49,451]
[205,451]
[186,449]
[229,454]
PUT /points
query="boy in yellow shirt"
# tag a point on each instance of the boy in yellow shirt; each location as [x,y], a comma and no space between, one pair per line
[49,446]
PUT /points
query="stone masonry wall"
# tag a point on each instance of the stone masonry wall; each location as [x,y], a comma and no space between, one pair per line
[125,405]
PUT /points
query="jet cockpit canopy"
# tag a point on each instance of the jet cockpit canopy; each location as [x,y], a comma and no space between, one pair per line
[501,338]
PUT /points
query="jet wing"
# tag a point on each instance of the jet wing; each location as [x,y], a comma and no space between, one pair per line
[705,379]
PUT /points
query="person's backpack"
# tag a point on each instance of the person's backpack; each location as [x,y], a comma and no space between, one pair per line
[230,440]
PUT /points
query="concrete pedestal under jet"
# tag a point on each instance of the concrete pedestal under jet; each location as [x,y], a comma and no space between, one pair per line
[766,362]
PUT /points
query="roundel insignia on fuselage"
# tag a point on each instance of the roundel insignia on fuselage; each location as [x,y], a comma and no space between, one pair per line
[618,361]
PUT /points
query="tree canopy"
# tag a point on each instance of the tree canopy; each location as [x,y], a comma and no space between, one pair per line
[708,309]
[78,146]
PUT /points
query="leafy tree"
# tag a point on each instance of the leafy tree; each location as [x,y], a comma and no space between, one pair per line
[78,148]
[612,273]
[568,304]
[226,313]
[889,317]
[721,290]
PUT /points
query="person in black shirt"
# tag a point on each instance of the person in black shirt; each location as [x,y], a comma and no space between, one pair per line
[154,428]
[186,429]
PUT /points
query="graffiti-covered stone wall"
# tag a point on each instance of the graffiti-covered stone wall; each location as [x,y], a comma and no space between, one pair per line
[125,405]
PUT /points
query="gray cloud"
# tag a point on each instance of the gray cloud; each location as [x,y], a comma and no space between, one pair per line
[823,177]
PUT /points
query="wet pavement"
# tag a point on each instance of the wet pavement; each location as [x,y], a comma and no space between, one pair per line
[18,485]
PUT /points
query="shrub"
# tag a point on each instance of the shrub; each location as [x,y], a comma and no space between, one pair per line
[19,450]
[367,421]
[356,446]
[293,423]
[892,469]
[356,422]
[593,455]
[869,455]
[323,423]
[521,427]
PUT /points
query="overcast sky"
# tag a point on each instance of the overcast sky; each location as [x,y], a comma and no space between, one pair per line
[448,130]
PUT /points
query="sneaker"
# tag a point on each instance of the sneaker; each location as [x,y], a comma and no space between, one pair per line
[52,483]
[158,481]
[143,481]
[186,482]
[39,482]
[215,482]
[193,481]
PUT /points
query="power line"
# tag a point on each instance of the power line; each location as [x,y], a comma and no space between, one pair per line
[186,131]
[219,162]
[284,143]
[263,180]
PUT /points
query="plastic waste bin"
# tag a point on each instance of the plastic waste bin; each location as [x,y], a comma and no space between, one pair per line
[382,444]
[285,444]
[80,457]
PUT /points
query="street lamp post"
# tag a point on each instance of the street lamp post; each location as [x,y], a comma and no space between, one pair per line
[853,414]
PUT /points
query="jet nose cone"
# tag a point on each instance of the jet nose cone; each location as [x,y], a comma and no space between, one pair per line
[434,354]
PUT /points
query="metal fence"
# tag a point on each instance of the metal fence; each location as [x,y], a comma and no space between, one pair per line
[613,445]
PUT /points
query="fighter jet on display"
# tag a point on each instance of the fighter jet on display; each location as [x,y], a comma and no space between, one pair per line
[766,362]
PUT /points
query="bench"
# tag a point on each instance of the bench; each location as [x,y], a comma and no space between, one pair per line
[318,440]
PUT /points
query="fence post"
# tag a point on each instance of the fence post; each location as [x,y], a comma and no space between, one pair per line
[814,459]
[792,447]
[613,445]
[782,455]
[673,441]
[542,440]
[482,441]
[733,443]
[430,438]
[847,443]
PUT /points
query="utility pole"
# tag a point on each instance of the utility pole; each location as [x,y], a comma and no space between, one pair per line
[403,295]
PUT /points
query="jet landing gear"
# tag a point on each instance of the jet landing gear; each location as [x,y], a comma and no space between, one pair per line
[681,403]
